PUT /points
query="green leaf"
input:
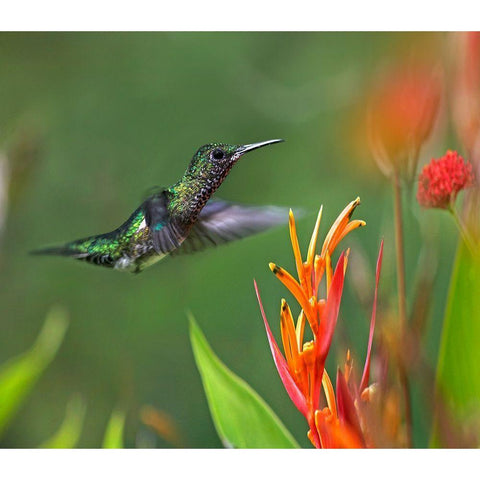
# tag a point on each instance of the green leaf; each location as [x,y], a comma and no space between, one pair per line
[68,434]
[114,433]
[241,416]
[458,370]
[19,375]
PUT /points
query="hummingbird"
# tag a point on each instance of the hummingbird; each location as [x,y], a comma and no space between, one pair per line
[179,219]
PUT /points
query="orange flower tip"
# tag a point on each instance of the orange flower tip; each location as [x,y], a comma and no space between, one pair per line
[274,268]
[284,305]
[361,223]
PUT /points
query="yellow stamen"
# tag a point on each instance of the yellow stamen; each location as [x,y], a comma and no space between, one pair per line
[345,262]
[329,393]
[313,240]
[328,268]
[300,329]
[307,352]
[287,348]
[348,366]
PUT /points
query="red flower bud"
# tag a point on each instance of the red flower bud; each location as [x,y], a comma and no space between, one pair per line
[442,179]
[402,113]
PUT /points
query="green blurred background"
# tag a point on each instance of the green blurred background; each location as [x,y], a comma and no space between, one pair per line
[108,115]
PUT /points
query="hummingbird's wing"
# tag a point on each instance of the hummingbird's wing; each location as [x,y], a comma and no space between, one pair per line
[165,234]
[221,222]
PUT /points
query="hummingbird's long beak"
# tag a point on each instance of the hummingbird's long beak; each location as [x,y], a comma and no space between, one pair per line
[253,146]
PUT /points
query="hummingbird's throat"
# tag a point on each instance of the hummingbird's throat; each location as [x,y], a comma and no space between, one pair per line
[191,193]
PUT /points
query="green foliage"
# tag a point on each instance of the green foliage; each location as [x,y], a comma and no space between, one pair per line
[68,434]
[114,433]
[19,375]
[241,416]
[458,372]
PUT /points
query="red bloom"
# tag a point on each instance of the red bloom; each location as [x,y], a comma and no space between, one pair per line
[442,179]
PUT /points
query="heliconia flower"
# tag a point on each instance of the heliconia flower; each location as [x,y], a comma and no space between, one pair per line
[402,112]
[442,179]
[302,369]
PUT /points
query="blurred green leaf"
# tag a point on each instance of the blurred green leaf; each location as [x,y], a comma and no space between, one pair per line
[458,371]
[241,416]
[19,375]
[68,434]
[114,433]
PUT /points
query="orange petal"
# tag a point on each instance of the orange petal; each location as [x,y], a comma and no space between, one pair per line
[334,434]
[319,269]
[338,226]
[340,234]
[296,248]
[286,341]
[289,337]
[294,288]
[350,227]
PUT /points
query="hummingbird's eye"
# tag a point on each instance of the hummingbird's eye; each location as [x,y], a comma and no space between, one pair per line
[218,154]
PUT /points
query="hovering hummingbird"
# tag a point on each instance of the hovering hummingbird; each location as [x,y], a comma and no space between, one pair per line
[178,219]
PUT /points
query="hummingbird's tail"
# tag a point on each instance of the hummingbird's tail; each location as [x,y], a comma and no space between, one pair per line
[96,249]
[68,250]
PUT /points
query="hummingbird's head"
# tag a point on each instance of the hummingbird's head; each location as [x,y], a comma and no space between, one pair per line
[215,160]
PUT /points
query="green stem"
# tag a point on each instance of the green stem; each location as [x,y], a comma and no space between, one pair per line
[462,229]
[402,298]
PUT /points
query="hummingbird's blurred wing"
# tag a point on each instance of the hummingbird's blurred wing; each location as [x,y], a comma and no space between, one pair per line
[165,234]
[221,222]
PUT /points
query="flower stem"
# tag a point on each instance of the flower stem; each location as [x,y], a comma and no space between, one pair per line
[462,229]
[402,298]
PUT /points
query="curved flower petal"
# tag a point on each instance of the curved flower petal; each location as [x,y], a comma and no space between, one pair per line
[327,327]
[328,323]
[292,389]
[366,369]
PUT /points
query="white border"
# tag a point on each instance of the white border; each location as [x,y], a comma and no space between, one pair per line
[221,15]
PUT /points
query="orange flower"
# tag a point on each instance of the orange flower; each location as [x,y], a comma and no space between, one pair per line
[302,370]
[402,112]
